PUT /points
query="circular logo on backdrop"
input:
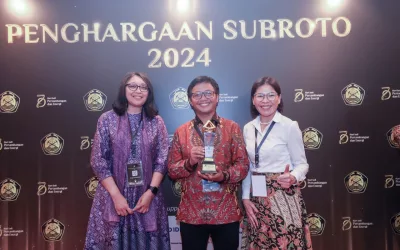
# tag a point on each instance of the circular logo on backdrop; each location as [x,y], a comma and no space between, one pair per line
[390,136]
[95,100]
[9,102]
[91,186]
[176,188]
[42,188]
[299,95]
[386,93]
[356,182]
[52,144]
[346,224]
[9,190]
[53,230]
[41,101]
[303,184]
[85,143]
[312,138]
[353,94]
[395,222]
[179,98]
[316,223]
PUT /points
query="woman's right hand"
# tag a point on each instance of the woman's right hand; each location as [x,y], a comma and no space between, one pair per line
[251,211]
[121,205]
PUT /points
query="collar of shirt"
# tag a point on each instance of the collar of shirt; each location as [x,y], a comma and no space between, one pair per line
[214,119]
[256,122]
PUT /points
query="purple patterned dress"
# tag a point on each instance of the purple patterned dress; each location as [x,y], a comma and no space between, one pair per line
[130,232]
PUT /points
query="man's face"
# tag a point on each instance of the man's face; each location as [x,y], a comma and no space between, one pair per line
[203,99]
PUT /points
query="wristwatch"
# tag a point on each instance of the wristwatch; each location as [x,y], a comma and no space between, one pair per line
[154,190]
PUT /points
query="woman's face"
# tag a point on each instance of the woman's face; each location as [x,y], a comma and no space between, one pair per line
[137,91]
[266,100]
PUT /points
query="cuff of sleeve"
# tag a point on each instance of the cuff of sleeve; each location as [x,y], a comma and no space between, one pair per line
[103,175]
[189,167]
[245,196]
[160,169]
[227,177]
[299,177]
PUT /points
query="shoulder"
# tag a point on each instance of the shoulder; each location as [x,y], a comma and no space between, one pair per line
[108,116]
[157,121]
[248,125]
[286,121]
[184,127]
[228,123]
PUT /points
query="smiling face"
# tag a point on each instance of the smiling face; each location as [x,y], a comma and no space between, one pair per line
[136,92]
[266,100]
[203,99]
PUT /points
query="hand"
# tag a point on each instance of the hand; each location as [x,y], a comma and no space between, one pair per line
[216,177]
[286,179]
[196,155]
[121,205]
[251,210]
[144,202]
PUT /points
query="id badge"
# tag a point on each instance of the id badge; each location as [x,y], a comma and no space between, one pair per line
[259,186]
[135,174]
[210,186]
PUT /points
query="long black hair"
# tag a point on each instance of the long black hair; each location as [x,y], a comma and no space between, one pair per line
[120,105]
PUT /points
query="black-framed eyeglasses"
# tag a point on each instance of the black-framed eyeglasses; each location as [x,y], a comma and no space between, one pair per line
[134,87]
[271,96]
[207,94]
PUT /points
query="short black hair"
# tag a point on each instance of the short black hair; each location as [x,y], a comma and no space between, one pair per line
[120,105]
[202,79]
[262,81]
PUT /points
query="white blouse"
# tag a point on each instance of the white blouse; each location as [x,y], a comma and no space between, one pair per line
[284,145]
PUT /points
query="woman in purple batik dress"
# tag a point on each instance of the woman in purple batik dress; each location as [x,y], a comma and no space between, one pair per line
[129,158]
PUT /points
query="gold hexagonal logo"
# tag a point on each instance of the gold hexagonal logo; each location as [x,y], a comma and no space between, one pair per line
[52,144]
[9,102]
[356,182]
[95,100]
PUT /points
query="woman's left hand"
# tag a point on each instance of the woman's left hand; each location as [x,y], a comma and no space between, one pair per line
[144,202]
[286,179]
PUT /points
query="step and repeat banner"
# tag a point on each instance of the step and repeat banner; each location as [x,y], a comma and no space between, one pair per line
[337,62]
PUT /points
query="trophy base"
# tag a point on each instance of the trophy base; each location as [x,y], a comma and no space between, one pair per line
[209,168]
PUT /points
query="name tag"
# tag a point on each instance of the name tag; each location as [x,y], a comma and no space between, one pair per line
[135,174]
[259,186]
[210,186]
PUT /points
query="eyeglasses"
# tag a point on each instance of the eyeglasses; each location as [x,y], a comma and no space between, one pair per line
[271,96]
[134,87]
[207,94]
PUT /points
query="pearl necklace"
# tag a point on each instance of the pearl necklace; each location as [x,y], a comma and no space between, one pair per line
[265,123]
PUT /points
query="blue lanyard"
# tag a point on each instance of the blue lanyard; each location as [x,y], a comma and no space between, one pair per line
[257,148]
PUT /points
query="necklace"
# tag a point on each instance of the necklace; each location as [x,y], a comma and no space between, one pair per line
[265,123]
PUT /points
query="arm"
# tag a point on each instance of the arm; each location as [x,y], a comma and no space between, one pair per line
[297,153]
[101,156]
[101,164]
[178,167]
[240,162]
[161,154]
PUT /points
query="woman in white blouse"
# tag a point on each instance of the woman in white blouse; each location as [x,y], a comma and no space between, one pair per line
[275,210]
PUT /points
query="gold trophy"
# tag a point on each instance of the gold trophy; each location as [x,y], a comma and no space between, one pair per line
[209,139]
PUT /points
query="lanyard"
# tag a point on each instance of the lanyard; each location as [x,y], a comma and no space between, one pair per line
[257,148]
[133,136]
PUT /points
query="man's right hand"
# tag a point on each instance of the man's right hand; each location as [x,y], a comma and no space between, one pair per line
[196,155]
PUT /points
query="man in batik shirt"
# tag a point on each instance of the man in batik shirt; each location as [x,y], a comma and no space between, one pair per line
[209,205]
